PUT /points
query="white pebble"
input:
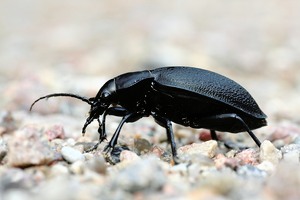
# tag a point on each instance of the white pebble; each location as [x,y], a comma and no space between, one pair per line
[268,152]
[71,155]
[206,148]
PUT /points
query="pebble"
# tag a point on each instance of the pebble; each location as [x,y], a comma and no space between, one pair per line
[29,147]
[3,149]
[268,152]
[249,171]
[266,166]
[58,170]
[205,148]
[128,156]
[55,131]
[248,157]
[291,153]
[7,122]
[142,145]
[146,174]
[71,155]
[97,164]
[222,161]
[77,167]
[205,135]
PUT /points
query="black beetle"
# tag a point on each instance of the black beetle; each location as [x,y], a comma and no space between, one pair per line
[185,95]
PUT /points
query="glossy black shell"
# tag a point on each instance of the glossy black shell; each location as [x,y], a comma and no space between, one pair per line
[209,84]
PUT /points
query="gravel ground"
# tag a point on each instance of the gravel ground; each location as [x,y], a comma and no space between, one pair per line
[75,47]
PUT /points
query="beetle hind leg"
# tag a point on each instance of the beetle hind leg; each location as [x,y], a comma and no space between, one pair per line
[239,119]
[213,135]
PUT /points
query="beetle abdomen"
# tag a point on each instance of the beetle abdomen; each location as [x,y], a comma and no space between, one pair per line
[209,84]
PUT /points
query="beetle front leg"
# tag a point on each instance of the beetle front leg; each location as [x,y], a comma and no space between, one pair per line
[115,111]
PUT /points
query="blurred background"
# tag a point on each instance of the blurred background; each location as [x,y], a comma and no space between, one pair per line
[75,46]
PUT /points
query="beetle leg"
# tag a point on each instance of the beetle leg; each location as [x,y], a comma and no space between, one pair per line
[235,116]
[131,117]
[168,125]
[115,111]
[213,135]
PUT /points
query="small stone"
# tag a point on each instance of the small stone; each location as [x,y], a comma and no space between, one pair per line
[250,171]
[56,131]
[29,147]
[183,133]
[3,149]
[77,167]
[248,157]
[206,148]
[128,156]
[71,155]
[291,153]
[290,148]
[97,164]
[58,170]
[266,166]
[297,140]
[222,161]
[268,152]
[142,145]
[7,122]
[157,151]
[205,135]
[145,174]
[292,157]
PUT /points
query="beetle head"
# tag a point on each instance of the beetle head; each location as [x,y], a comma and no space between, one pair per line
[101,102]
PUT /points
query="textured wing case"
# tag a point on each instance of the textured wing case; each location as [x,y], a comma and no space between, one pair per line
[209,84]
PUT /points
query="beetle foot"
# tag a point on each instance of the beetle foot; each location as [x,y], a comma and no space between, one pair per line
[92,148]
[108,149]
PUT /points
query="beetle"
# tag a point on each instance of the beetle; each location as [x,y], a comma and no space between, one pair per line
[189,96]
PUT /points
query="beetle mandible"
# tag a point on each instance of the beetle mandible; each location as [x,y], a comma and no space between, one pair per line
[188,96]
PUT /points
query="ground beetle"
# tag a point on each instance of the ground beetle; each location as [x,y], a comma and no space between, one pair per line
[185,95]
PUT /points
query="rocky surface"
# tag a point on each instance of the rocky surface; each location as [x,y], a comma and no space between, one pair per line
[75,46]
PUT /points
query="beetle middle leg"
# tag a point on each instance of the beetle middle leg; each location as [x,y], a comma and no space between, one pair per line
[168,125]
[131,117]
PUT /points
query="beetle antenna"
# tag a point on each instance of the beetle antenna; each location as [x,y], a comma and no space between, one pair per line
[62,94]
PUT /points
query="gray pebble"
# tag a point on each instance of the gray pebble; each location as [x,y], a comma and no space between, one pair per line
[71,155]
[141,175]
[97,164]
[58,170]
[3,149]
[291,153]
